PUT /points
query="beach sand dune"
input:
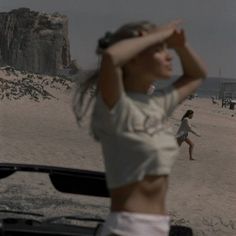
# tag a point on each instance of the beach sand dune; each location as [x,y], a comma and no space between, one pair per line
[202,193]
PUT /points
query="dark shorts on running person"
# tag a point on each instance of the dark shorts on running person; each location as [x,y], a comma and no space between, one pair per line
[183,137]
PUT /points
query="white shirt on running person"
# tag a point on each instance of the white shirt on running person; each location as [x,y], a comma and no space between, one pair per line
[184,128]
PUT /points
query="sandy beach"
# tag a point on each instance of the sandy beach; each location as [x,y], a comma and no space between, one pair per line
[202,193]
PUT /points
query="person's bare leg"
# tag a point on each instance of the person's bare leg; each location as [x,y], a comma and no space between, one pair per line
[191,145]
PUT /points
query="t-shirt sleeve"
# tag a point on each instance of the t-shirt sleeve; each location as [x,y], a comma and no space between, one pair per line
[167,98]
[119,114]
[118,107]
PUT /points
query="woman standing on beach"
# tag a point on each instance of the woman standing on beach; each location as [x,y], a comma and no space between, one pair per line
[182,133]
[138,148]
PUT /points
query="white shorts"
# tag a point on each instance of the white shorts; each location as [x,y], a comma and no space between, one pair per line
[130,224]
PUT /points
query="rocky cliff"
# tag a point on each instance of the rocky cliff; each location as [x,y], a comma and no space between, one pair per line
[33,41]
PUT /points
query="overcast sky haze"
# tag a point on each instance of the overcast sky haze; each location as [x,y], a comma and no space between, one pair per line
[209,25]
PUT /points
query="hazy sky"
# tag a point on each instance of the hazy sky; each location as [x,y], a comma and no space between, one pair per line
[209,24]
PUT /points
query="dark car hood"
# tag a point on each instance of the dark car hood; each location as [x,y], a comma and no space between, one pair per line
[66,180]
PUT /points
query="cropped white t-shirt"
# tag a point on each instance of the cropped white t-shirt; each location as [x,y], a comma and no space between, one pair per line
[135,138]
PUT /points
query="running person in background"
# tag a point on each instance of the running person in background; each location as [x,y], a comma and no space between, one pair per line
[184,129]
[138,148]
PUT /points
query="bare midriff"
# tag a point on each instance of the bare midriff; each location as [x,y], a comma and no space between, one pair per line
[146,196]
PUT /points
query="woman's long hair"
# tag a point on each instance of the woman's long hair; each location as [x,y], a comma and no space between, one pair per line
[86,91]
[187,114]
[84,94]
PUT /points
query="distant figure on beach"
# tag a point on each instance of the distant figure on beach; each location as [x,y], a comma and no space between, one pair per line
[213,99]
[129,120]
[225,102]
[184,129]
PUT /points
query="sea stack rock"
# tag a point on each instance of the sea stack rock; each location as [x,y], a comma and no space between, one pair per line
[34,42]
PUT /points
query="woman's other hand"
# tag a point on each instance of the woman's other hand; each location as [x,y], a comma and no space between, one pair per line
[177,39]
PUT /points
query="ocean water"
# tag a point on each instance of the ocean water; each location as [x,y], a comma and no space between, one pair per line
[210,87]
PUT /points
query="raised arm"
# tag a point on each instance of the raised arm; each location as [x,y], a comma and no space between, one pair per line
[194,70]
[117,55]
